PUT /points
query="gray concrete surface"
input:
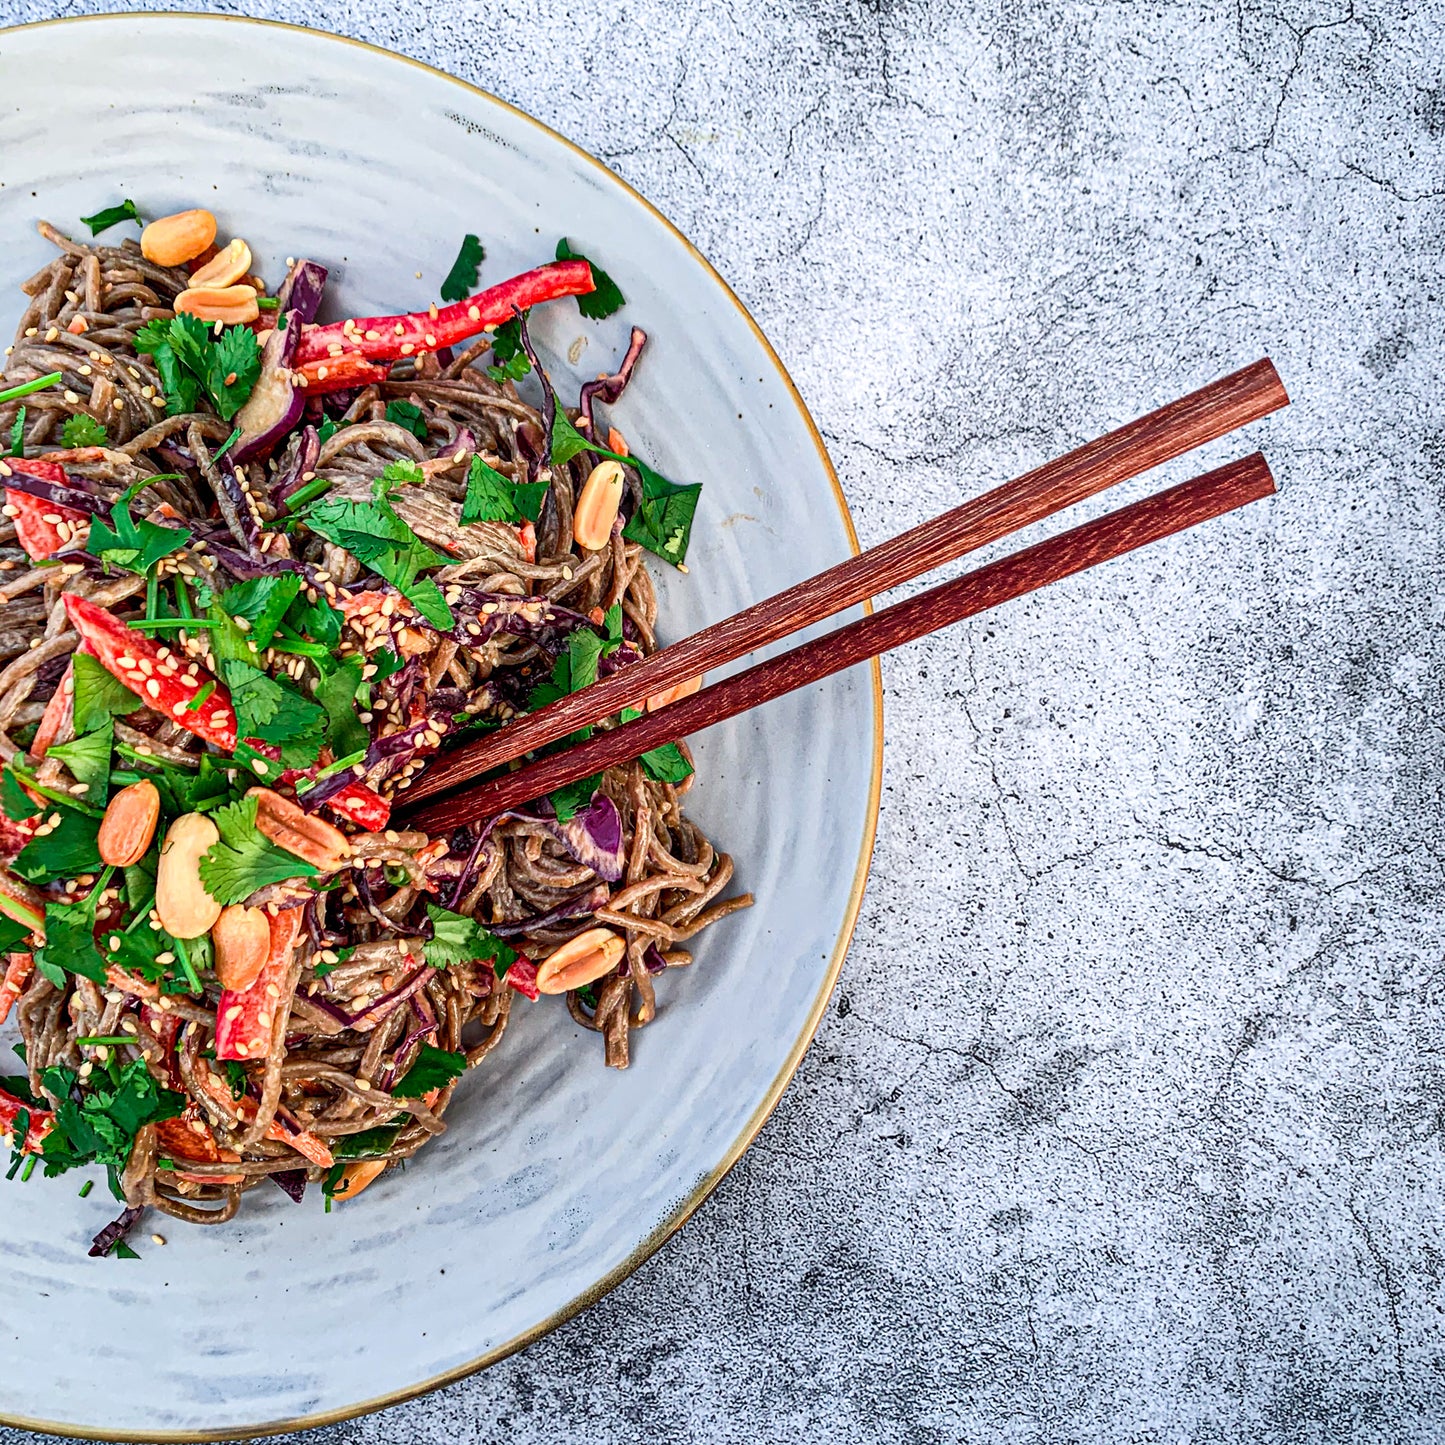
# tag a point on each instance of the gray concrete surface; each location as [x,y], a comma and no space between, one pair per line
[1126,1122]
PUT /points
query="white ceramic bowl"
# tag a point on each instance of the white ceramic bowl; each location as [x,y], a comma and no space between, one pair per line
[557,1176]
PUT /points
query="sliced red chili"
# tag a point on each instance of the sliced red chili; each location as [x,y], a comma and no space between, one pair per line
[340,373]
[389,338]
[17,975]
[522,976]
[170,684]
[35,530]
[41,1120]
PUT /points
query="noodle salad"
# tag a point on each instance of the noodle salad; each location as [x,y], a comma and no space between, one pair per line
[254,571]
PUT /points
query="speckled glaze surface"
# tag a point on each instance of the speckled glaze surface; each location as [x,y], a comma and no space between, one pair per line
[556,1175]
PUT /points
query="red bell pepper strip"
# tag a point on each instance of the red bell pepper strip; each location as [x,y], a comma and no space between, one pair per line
[283,1130]
[245,1020]
[339,373]
[57,712]
[34,530]
[361,805]
[41,1121]
[522,976]
[389,338]
[189,1137]
[169,684]
[17,975]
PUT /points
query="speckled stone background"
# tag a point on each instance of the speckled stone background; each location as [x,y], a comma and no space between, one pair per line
[1126,1123]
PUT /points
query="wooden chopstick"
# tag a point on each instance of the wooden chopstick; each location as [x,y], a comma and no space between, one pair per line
[1203,416]
[1131,527]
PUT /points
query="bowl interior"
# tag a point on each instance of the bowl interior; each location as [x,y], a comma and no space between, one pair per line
[557,1175]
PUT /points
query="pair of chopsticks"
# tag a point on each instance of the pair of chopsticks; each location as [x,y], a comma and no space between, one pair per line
[1203,416]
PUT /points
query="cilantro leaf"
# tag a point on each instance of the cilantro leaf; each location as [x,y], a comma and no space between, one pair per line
[461,280]
[98,695]
[612,621]
[69,945]
[17,434]
[82,430]
[599,304]
[317,620]
[459,939]
[509,359]
[368,1144]
[263,602]
[15,801]
[427,598]
[12,933]
[275,712]
[233,365]
[569,800]
[433,1069]
[110,216]
[130,545]
[336,693]
[666,764]
[70,850]
[88,758]
[245,859]
[399,473]
[492,498]
[407,414]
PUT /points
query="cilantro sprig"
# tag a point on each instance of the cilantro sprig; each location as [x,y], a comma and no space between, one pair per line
[245,859]
[192,361]
[82,430]
[491,497]
[509,358]
[110,216]
[434,1069]
[459,939]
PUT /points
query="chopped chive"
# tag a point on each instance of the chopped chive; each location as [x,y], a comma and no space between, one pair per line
[183,599]
[268,303]
[309,492]
[25,388]
[153,593]
[66,799]
[201,696]
[29,1168]
[149,624]
[95,1041]
[187,967]
[301,649]
[87,1187]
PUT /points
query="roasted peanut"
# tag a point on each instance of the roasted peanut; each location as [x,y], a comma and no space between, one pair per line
[673,694]
[129,824]
[299,832]
[228,266]
[243,940]
[580,961]
[174,240]
[186,910]
[597,505]
[235,305]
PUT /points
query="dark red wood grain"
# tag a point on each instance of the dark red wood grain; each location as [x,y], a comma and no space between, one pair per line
[1203,416]
[1131,527]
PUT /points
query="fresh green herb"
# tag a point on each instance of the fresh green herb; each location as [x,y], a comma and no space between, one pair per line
[130,545]
[263,602]
[346,735]
[197,701]
[407,414]
[98,695]
[434,1069]
[226,445]
[318,620]
[236,1078]
[459,939]
[17,434]
[378,538]
[574,669]
[121,1250]
[342,954]
[268,303]
[69,945]
[491,497]
[461,280]
[663,520]
[15,801]
[272,710]
[82,430]
[368,1144]
[245,859]
[101,1127]
[110,216]
[64,853]
[509,358]
[587,996]
[12,933]
[327,430]
[88,758]
[612,623]
[599,304]
[86,1188]
[14,393]
[666,764]
[570,799]
[191,360]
